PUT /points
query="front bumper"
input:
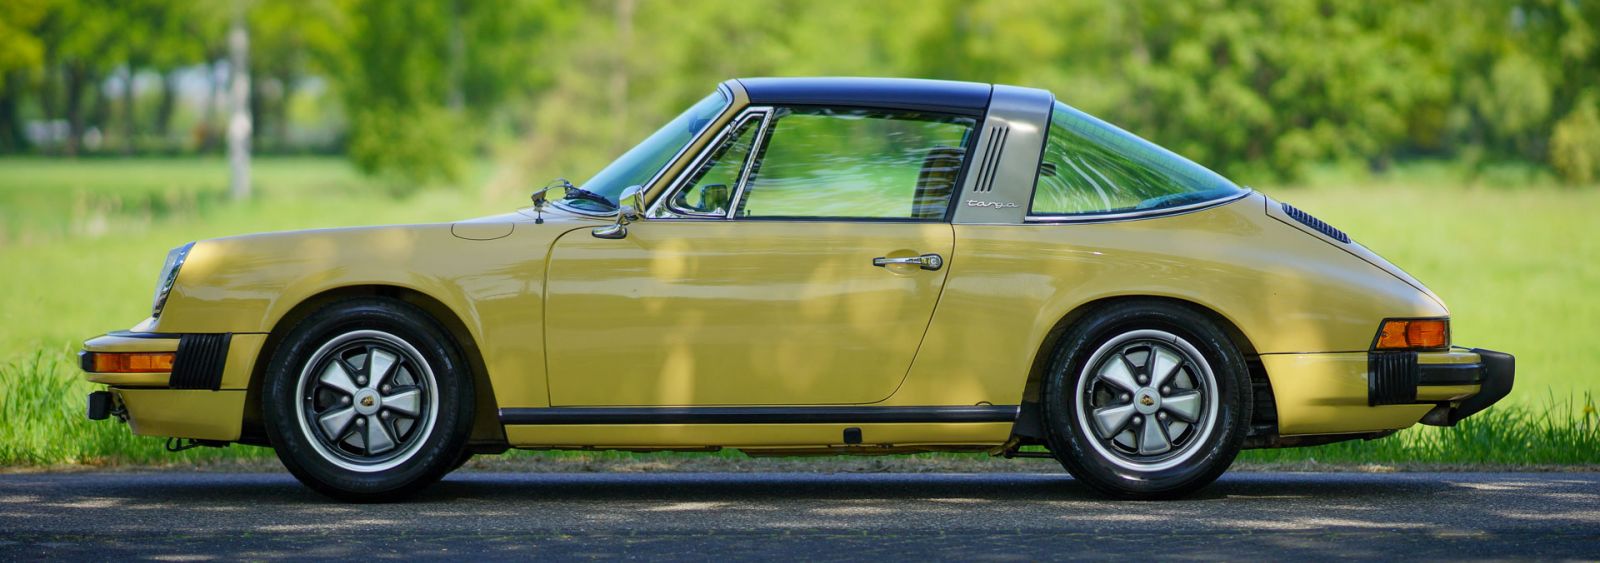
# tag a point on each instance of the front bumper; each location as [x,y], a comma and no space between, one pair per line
[202,397]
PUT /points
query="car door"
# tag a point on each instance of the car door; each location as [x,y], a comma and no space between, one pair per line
[798,262]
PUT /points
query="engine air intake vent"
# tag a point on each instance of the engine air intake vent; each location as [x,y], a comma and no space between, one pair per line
[1316,223]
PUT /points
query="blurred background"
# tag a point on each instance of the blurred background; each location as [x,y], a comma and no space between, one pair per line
[1459,138]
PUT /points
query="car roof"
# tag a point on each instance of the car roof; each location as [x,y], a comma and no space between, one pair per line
[896,93]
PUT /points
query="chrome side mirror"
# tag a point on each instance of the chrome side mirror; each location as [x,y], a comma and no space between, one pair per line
[628,206]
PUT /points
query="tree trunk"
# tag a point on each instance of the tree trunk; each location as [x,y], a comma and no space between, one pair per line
[208,114]
[129,128]
[169,101]
[12,138]
[258,111]
[76,77]
[457,63]
[281,113]
[99,113]
[239,97]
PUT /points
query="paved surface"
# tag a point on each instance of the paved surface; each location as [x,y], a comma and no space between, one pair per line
[179,516]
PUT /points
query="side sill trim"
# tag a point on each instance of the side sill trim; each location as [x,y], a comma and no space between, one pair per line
[755,415]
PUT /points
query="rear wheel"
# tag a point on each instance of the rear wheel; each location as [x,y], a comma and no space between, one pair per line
[1147,400]
[368,400]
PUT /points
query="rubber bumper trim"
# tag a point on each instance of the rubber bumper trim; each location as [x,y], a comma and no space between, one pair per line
[1449,374]
[1499,374]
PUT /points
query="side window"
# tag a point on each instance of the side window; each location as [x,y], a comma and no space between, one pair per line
[858,164]
[710,189]
[1091,167]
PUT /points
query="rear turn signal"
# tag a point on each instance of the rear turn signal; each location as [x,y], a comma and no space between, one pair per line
[1413,334]
[130,362]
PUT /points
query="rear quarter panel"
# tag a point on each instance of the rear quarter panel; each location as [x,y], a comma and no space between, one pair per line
[1286,290]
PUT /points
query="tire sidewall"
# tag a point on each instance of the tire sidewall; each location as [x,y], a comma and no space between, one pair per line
[453,394]
[1072,444]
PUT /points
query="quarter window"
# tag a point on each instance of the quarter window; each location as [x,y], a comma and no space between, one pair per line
[710,189]
[1091,167]
[853,163]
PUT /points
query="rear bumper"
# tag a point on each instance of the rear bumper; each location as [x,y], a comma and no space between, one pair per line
[1495,374]
[1361,392]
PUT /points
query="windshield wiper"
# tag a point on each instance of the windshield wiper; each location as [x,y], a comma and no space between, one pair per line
[569,192]
[577,193]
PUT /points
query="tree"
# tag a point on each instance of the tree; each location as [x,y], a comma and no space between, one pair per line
[239,101]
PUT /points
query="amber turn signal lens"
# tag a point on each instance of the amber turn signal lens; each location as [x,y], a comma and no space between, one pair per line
[1415,333]
[133,362]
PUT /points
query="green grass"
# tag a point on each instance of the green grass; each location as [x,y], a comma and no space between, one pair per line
[1550,432]
[80,242]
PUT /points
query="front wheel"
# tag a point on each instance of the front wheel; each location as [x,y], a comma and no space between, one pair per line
[368,400]
[1147,400]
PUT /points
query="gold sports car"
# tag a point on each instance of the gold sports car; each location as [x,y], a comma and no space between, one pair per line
[800,266]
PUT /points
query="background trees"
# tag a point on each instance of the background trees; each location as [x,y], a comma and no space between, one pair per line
[411,90]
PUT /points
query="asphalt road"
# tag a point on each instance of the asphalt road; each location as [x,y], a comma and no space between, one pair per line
[182,516]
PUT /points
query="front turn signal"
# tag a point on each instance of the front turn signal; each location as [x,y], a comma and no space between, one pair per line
[1413,334]
[130,362]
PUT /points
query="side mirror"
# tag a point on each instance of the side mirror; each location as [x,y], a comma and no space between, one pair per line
[629,205]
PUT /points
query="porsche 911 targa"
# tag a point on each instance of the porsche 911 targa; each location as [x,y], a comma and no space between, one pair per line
[799,266]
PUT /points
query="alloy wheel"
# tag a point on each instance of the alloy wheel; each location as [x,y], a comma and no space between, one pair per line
[1146,400]
[367,400]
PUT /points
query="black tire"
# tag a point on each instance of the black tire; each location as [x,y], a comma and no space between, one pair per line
[1086,407]
[421,406]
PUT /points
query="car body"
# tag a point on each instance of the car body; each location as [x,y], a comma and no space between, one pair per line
[821,266]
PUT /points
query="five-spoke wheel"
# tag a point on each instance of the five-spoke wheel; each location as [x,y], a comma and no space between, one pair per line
[1146,399]
[1149,401]
[366,397]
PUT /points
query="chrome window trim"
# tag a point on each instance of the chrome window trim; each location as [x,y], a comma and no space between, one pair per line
[662,207]
[749,164]
[727,94]
[1129,215]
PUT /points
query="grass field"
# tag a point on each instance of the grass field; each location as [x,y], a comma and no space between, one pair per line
[80,243]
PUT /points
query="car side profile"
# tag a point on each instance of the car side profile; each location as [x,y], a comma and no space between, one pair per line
[801,266]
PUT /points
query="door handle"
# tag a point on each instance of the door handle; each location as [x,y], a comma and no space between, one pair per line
[926,261]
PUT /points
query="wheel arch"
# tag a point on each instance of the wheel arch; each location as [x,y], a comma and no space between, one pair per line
[487,433]
[1263,420]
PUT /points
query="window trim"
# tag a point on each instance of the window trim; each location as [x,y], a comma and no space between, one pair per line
[1127,215]
[1033,193]
[950,206]
[663,208]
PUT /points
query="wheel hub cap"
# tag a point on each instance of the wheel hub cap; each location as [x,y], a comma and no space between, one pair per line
[368,401]
[1148,401]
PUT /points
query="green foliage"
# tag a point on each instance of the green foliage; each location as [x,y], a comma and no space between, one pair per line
[1257,89]
[424,144]
[1575,145]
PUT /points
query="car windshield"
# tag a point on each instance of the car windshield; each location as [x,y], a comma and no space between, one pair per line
[1090,167]
[644,160]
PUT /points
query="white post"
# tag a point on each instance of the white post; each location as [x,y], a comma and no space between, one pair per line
[239,98]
